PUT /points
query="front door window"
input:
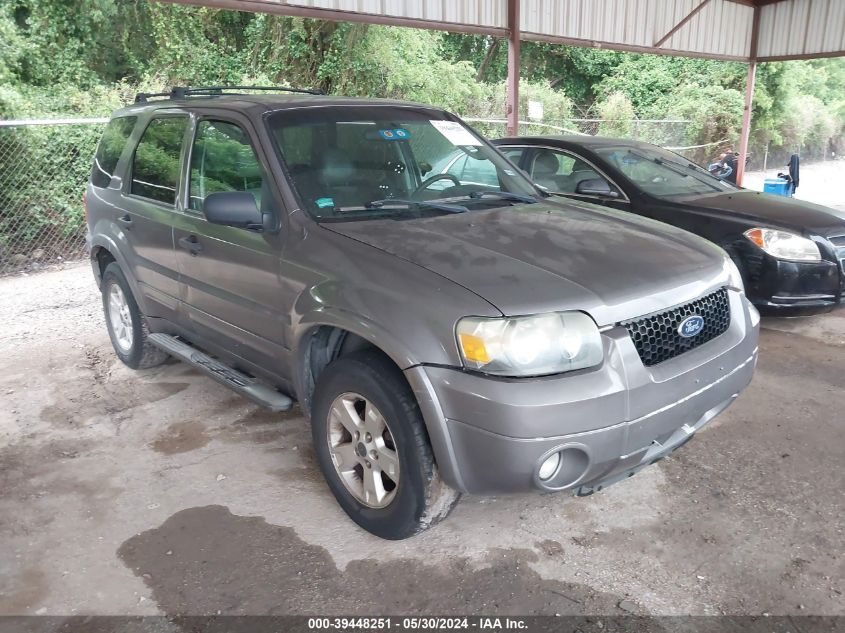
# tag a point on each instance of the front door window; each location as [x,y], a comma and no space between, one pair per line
[223,159]
[561,172]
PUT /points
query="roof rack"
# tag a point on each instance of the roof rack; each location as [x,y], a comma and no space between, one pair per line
[183,92]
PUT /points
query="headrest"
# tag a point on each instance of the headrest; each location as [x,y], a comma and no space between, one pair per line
[545,164]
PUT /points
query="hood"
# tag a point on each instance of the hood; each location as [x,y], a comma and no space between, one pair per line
[775,211]
[551,256]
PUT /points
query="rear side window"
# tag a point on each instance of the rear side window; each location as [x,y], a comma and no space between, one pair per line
[156,165]
[110,148]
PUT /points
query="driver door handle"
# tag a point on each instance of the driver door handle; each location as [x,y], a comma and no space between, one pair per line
[191,244]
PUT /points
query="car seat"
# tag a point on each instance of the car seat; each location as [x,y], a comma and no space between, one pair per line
[545,169]
[335,178]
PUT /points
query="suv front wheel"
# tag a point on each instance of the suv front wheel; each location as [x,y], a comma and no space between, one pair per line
[373,448]
[126,325]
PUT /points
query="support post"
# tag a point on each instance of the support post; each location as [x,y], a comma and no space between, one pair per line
[513,69]
[746,122]
[749,97]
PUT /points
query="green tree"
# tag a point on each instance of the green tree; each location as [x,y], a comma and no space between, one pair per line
[618,114]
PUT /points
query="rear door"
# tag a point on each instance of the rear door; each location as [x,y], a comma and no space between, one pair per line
[146,208]
[231,286]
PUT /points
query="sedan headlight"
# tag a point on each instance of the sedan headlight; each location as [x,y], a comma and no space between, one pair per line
[530,346]
[784,245]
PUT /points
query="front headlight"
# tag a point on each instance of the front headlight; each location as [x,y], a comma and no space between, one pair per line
[785,245]
[530,346]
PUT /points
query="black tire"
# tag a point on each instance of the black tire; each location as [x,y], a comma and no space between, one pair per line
[422,499]
[142,354]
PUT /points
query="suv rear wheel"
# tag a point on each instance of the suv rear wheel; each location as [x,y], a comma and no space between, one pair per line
[373,449]
[126,325]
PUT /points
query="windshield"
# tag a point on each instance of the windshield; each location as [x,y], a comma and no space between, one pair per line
[662,173]
[352,162]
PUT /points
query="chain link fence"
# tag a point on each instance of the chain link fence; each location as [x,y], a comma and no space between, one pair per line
[44,166]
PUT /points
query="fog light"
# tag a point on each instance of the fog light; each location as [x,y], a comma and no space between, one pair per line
[549,467]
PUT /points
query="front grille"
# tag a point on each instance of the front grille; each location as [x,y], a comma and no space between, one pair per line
[656,336]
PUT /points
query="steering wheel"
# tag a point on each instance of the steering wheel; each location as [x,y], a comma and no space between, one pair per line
[425,184]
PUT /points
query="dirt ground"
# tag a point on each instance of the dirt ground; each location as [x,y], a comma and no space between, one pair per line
[160,492]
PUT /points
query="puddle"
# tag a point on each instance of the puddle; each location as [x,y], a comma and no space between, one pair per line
[181,437]
[206,560]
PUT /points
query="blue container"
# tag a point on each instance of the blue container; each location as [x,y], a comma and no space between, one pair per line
[777,187]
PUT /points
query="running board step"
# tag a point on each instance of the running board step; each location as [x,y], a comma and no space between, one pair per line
[248,387]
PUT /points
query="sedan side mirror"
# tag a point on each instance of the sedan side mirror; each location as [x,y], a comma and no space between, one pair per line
[233,208]
[596,187]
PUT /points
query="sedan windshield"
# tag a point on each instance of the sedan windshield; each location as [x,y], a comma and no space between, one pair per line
[662,173]
[353,163]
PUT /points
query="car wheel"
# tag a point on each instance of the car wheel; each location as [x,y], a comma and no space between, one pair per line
[126,325]
[373,448]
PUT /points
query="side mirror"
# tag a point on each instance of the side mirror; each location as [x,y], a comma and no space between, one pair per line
[233,208]
[596,187]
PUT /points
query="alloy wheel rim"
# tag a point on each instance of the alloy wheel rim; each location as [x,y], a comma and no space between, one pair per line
[363,450]
[120,318]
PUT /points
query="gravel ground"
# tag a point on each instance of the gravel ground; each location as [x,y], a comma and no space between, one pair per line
[160,492]
[822,183]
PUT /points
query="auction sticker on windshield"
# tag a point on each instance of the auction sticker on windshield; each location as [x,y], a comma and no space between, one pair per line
[398,134]
[455,133]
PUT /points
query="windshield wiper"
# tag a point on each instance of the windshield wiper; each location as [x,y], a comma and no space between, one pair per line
[504,195]
[440,206]
[399,205]
[679,169]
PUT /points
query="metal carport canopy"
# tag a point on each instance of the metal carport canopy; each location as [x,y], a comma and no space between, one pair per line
[740,30]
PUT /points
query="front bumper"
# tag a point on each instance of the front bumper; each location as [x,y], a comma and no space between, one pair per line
[785,288]
[491,435]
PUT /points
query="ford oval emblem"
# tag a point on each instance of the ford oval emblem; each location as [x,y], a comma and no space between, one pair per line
[691,326]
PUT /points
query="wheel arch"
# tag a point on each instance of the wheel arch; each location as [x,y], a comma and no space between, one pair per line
[102,252]
[100,258]
[323,340]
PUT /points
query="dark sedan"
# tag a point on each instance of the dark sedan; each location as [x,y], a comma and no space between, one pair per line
[791,253]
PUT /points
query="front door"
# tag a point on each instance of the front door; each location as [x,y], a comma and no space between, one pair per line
[230,277]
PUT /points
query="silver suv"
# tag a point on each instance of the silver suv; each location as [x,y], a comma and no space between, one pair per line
[444,331]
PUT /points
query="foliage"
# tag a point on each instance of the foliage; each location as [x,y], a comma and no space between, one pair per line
[405,64]
[85,56]
[44,212]
[11,46]
[715,114]
[808,124]
[617,113]
[89,57]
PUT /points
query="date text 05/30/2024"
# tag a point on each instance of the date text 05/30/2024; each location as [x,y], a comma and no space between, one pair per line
[421,623]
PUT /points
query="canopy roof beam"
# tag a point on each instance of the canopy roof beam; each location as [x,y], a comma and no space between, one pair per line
[821,23]
[681,24]
[337,15]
